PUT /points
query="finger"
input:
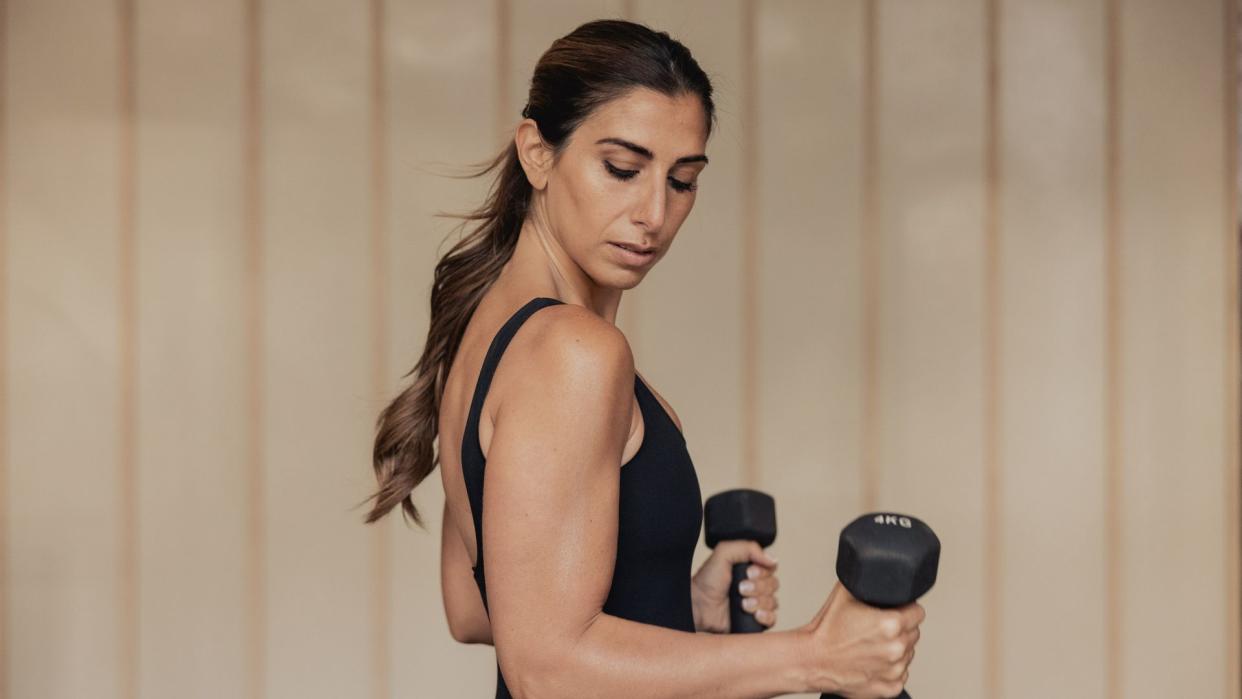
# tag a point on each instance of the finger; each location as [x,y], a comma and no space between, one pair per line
[905,657]
[766,617]
[912,636]
[742,551]
[769,559]
[760,555]
[751,604]
[913,614]
[750,587]
[758,587]
[756,571]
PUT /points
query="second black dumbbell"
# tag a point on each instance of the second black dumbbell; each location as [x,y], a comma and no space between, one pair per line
[744,514]
[887,560]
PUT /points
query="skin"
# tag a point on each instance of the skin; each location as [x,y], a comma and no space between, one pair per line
[551,503]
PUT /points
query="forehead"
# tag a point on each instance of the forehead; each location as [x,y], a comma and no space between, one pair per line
[669,126]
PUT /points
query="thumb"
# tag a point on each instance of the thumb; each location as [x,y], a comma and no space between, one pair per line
[749,552]
[758,554]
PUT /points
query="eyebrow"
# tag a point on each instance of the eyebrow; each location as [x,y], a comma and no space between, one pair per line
[700,158]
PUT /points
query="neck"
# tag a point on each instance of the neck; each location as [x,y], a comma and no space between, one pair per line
[541,267]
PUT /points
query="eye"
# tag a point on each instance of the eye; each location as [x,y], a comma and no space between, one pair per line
[629,174]
[619,173]
[682,186]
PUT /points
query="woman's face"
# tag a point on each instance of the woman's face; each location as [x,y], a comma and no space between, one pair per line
[627,178]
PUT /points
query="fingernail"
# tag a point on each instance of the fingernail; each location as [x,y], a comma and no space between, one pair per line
[752,572]
[746,586]
[749,603]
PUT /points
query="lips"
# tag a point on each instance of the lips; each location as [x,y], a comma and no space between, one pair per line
[636,248]
[630,255]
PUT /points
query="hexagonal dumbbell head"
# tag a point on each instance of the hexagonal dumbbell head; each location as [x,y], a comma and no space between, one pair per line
[888,560]
[739,514]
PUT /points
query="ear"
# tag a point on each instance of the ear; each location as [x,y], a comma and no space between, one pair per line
[533,153]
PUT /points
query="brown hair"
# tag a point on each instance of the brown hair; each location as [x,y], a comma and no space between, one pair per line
[597,62]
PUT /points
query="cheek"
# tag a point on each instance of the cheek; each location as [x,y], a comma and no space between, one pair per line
[588,209]
[679,212]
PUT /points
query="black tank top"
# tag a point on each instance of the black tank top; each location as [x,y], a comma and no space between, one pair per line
[660,515]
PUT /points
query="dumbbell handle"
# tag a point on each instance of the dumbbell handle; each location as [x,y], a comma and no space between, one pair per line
[740,620]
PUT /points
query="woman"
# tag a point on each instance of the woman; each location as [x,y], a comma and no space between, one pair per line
[590,508]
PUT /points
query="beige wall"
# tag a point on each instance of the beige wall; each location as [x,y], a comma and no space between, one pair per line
[973,261]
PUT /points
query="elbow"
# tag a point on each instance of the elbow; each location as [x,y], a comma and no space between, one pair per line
[470,635]
[534,685]
[537,674]
[521,675]
[553,664]
[469,628]
[459,632]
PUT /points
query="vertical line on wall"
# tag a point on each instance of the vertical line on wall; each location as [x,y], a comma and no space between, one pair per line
[381,597]
[5,525]
[1112,360]
[629,11]
[504,121]
[255,642]
[1233,519]
[127,412]
[993,634]
[870,258]
[750,248]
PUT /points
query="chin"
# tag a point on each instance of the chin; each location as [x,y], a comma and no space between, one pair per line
[611,276]
[623,280]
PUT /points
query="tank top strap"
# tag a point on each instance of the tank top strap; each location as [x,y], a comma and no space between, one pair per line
[495,350]
[472,458]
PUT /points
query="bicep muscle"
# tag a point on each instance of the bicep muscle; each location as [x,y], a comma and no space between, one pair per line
[552,486]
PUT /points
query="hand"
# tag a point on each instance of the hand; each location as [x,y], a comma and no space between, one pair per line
[709,588]
[858,651]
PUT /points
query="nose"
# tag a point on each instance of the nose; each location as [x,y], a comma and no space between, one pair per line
[650,210]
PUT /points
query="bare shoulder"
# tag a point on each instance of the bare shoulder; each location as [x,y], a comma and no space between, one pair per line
[566,383]
[566,325]
[566,348]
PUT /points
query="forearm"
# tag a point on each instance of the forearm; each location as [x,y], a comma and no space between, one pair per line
[617,657]
[468,624]
[480,634]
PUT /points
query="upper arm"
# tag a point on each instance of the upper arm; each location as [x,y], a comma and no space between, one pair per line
[552,486]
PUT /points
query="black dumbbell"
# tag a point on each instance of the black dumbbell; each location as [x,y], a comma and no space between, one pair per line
[887,560]
[740,514]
